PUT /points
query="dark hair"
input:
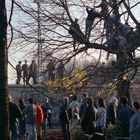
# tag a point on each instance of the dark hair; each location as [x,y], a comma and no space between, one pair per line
[136,105]
[85,95]
[89,101]
[31,100]
[74,97]
[124,100]
[101,102]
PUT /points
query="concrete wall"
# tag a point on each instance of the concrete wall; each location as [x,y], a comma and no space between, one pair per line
[39,93]
[25,92]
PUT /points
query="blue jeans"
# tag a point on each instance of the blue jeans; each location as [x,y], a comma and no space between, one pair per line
[14,135]
[31,130]
[22,125]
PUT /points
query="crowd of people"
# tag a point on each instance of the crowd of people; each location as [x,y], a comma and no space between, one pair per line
[97,117]
[92,116]
[29,120]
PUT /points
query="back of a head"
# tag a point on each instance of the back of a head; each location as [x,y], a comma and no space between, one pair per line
[20,101]
[31,100]
[124,100]
[136,105]
[65,100]
[74,97]
[89,101]
[85,95]
[101,102]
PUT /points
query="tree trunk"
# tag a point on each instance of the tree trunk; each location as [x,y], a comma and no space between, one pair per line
[4,127]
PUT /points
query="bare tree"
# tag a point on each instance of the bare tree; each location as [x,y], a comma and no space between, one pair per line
[57,16]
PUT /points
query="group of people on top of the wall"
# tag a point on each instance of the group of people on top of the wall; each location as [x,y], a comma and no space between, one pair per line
[27,72]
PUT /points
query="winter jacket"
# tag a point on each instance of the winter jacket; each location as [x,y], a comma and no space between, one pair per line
[30,114]
[134,129]
[39,115]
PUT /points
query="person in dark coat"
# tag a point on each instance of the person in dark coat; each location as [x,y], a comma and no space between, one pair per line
[14,114]
[83,104]
[64,118]
[124,114]
[76,33]
[134,129]
[33,72]
[92,14]
[50,69]
[25,72]
[19,72]
[88,117]
[112,111]
[22,123]
[104,8]
[61,69]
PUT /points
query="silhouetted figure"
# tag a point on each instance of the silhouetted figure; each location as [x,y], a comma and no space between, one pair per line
[75,31]
[64,118]
[33,72]
[60,69]
[25,72]
[88,117]
[50,69]
[112,41]
[124,114]
[14,114]
[19,71]
[125,29]
[134,128]
[104,8]
[113,18]
[124,87]
[92,14]
[22,123]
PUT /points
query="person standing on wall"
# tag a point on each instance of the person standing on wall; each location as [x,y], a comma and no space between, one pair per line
[19,72]
[25,72]
[32,72]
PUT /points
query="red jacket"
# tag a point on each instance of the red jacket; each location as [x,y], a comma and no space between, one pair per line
[39,114]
